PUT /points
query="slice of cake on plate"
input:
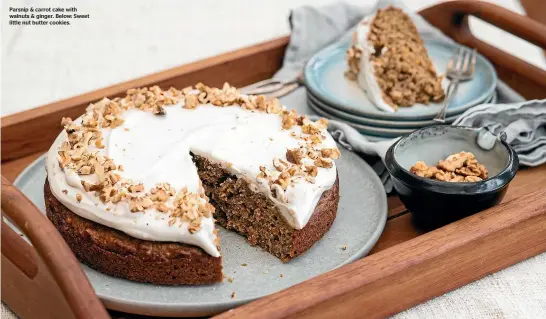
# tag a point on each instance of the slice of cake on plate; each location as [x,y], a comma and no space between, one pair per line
[136,184]
[388,60]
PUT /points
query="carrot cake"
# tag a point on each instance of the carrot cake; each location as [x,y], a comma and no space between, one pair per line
[136,184]
[388,60]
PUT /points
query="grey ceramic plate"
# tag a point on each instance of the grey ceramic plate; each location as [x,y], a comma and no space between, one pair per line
[360,221]
[371,130]
[377,122]
[364,129]
[324,77]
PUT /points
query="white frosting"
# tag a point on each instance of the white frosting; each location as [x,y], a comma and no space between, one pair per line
[156,149]
[366,77]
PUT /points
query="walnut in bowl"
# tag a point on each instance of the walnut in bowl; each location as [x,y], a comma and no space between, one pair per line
[431,194]
[456,168]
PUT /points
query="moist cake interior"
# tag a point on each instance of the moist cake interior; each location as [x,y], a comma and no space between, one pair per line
[403,70]
[249,213]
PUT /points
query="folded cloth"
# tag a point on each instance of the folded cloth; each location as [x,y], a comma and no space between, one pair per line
[316,28]
[524,124]
[313,28]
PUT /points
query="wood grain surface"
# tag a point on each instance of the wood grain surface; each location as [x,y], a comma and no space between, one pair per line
[452,18]
[61,276]
[536,10]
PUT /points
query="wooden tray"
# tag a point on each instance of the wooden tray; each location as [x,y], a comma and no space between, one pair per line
[405,268]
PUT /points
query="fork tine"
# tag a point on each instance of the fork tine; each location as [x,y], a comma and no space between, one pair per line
[467,58]
[460,55]
[474,54]
[453,59]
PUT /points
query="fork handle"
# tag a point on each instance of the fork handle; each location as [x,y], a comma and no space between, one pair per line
[451,91]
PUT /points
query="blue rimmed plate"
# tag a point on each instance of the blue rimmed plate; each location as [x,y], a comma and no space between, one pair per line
[349,117]
[378,132]
[324,78]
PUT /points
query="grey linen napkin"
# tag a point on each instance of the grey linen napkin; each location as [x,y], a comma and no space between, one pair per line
[524,124]
[316,28]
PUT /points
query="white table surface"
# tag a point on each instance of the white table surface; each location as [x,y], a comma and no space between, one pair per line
[123,40]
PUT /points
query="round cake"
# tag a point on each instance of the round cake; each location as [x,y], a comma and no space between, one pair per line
[388,60]
[138,183]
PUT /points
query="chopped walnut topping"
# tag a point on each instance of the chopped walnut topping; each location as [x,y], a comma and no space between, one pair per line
[279,165]
[294,156]
[162,208]
[283,180]
[310,128]
[312,170]
[136,188]
[191,102]
[138,204]
[330,153]
[263,172]
[323,162]
[289,119]
[460,167]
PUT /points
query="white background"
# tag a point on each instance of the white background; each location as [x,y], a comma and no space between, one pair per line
[123,40]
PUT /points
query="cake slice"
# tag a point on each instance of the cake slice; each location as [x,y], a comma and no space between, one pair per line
[388,60]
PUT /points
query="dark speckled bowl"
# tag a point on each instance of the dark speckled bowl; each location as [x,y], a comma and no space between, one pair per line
[436,203]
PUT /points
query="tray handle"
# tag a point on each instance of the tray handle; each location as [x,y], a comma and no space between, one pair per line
[451,17]
[41,274]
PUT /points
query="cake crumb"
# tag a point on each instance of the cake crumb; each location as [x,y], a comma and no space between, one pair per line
[281,276]
[229,279]
[244,265]
[233,295]
[65,191]
[79,197]
[344,247]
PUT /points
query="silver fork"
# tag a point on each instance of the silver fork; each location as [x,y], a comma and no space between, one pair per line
[460,68]
[273,88]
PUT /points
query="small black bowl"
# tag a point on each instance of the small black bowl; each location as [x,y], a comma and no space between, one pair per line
[436,203]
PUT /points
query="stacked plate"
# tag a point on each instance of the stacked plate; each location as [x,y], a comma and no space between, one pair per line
[331,95]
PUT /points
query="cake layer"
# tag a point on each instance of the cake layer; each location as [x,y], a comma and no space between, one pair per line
[114,253]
